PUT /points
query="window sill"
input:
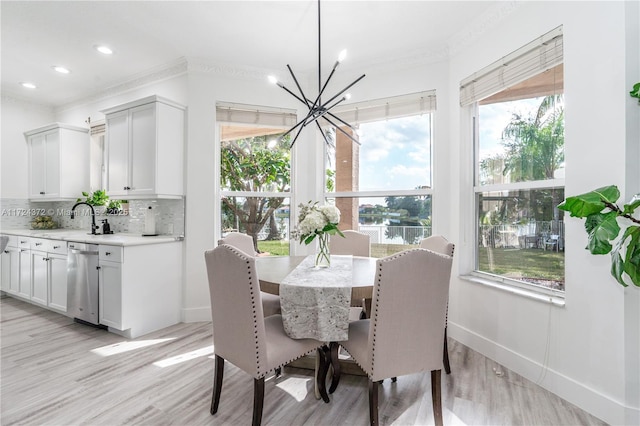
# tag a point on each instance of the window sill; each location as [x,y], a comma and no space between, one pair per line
[539,296]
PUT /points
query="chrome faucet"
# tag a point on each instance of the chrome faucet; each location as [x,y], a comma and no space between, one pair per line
[93,215]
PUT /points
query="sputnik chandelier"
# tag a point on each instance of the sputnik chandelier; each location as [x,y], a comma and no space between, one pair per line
[319,108]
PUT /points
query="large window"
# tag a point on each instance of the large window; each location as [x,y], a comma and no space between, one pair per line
[255,170]
[382,186]
[519,165]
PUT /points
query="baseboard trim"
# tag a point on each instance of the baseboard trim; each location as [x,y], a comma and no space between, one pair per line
[588,399]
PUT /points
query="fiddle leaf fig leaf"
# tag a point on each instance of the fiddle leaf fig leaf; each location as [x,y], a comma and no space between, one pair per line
[632,206]
[601,228]
[589,203]
[632,259]
[617,267]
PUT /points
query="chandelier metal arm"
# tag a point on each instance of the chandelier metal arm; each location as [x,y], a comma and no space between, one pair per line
[307,101]
[342,91]
[332,115]
[342,130]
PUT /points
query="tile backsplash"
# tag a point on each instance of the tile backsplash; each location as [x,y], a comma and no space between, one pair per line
[169,215]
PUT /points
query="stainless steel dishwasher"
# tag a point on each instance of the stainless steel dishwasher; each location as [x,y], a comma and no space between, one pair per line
[82,283]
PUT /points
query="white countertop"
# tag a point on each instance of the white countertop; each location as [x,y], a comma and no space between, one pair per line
[81,236]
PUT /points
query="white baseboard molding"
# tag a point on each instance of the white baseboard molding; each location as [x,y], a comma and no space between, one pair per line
[599,405]
[196,314]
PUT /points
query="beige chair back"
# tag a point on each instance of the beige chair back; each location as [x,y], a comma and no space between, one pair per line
[408,314]
[439,244]
[238,240]
[239,333]
[354,243]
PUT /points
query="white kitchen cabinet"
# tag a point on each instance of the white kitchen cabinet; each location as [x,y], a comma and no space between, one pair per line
[24,273]
[39,277]
[49,273]
[57,282]
[140,287]
[58,162]
[110,305]
[144,148]
[10,267]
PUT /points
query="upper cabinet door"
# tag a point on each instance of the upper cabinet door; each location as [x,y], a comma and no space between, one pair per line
[143,148]
[52,163]
[37,165]
[150,165]
[58,162]
[117,155]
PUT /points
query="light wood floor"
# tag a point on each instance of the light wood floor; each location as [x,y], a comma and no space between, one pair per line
[56,372]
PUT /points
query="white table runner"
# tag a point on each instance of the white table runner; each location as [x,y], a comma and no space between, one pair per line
[315,301]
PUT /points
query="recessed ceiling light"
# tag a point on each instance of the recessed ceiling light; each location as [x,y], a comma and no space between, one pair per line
[61,70]
[27,85]
[104,49]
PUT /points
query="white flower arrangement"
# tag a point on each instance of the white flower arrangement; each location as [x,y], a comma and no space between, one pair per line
[316,221]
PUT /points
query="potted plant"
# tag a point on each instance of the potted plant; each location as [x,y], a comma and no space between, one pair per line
[96,198]
[114,207]
[602,215]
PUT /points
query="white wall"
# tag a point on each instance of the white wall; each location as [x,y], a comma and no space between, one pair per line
[577,351]
[18,117]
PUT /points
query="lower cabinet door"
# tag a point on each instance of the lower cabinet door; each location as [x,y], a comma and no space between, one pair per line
[58,282]
[40,266]
[24,274]
[111,294]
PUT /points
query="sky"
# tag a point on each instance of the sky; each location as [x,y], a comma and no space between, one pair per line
[395,154]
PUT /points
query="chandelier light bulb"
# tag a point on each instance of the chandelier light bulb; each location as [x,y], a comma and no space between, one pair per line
[347,96]
[342,55]
[271,144]
[272,79]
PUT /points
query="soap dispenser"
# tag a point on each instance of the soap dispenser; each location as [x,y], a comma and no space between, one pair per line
[106,227]
[149,222]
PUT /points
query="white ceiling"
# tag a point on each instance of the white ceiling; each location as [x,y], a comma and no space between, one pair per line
[265,35]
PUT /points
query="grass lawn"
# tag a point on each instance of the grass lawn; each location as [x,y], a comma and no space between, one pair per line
[533,265]
[525,264]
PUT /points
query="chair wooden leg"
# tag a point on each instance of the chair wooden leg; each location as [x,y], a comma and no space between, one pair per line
[445,354]
[373,402]
[217,384]
[323,369]
[436,396]
[258,401]
[335,363]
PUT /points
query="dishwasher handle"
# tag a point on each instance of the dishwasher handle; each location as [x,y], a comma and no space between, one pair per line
[90,252]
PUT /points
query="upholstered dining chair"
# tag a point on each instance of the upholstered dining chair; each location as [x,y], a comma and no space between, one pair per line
[244,242]
[354,243]
[241,334]
[404,334]
[441,245]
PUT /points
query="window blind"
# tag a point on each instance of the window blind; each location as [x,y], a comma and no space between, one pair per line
[247,114]
[380,109]
[538,56]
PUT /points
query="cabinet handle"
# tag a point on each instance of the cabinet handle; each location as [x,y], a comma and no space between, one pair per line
[24,250]
[98,267]
[107,253]
[38,244]
[56,247]
[41,192]
[72,246]
[6,251]
[23,242]
[126,188]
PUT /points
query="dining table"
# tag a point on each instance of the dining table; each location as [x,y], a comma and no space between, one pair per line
[315,302]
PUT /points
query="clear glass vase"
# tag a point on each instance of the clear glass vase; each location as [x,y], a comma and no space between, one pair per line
[323,257]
